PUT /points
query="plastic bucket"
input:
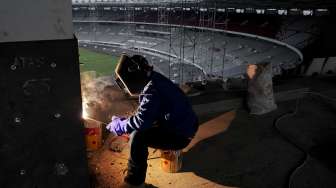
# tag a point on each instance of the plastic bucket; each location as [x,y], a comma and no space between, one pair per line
[93,134]
[171,160]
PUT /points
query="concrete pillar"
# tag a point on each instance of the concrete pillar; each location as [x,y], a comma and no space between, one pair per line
[41,131]
[32,20]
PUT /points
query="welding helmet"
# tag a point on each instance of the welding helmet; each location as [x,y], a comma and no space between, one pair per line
[132,74]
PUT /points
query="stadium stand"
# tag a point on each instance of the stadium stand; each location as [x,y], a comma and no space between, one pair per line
[185,47]
[299,32]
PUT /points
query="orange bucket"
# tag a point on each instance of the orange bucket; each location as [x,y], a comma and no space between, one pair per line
[171,160]
[93,134]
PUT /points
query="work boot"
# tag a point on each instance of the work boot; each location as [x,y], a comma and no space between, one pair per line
[136,175]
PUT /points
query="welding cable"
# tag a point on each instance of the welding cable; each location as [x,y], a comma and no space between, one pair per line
[307,157]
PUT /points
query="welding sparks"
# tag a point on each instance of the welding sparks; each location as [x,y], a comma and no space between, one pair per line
[86,116]
[84,112]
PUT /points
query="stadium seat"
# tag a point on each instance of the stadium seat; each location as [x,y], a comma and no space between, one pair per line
[315,67]
[330,66]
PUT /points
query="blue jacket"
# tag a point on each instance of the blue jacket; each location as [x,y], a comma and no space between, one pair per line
[163,102]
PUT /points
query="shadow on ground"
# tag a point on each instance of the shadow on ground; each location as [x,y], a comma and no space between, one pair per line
[251,153]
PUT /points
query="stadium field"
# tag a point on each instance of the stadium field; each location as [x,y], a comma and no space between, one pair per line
[102,63]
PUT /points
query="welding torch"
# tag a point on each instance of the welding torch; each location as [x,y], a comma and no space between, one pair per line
[104,123]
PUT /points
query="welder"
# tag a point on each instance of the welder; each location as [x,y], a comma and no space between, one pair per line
[164,119]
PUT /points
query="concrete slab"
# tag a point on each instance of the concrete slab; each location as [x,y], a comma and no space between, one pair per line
[236,149]
[108,168]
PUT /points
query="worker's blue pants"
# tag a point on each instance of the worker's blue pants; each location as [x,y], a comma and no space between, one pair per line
[156,137]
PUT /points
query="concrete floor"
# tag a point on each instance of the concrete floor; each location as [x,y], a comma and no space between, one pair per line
[249,152]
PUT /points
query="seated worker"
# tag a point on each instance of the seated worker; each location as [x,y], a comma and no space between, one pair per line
[164,120]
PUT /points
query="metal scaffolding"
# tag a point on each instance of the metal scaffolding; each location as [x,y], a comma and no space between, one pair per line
[93,14]
[163,13]
[194,41]
[129,13]
[181,34]
[170,39]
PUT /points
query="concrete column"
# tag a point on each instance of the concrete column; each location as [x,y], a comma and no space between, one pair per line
[32,20]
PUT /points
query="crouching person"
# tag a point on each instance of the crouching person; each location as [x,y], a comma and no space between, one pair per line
[164,119]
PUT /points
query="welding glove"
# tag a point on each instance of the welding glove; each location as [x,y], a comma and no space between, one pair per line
[117,125]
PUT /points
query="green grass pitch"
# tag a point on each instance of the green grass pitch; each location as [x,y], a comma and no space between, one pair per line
[102,63]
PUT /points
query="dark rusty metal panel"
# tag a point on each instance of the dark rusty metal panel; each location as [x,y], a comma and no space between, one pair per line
[41,131]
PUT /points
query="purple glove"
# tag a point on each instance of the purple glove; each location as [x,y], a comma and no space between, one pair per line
[117,125]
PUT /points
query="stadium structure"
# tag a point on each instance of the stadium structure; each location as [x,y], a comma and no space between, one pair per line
[191,41]
[259,75]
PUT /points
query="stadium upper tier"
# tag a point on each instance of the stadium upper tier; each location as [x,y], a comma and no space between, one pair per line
[213,52]
[264,25]
[223,3]
[128,1]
